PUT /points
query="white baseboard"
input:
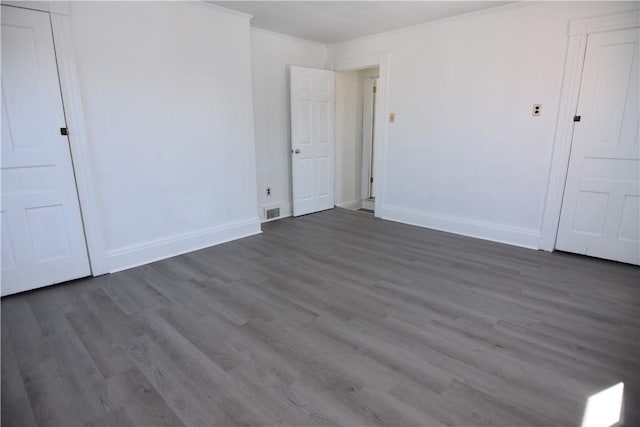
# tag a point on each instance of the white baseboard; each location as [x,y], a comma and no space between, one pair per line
[369,204]
[155,250]
[523,237]
[351,204]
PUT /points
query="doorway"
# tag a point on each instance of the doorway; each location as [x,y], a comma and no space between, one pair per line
[356,92]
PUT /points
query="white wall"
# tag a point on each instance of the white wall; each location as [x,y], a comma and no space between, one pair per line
[167,97]
[271,55]
[465,154]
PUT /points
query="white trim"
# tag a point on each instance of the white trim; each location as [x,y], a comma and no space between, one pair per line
[437,22]
[288,37]
[382,129]
[356,63]
[262,221]
[221,9]
[369,98]
[79,142]
[562,141]
[526,238]
[619,21]
[41,6]
[578,32]
[60,7]
[381,61]
[351,204]
[155,250]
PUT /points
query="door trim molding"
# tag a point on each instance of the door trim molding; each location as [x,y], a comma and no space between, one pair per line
[381,124]
[365,173]
[578,31]
[598,24]
[79,141]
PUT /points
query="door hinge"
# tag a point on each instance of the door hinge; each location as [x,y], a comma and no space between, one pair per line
[576,118]
[375,89]
[371,180]
[64,131]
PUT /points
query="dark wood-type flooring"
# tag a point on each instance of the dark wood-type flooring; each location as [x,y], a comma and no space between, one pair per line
[336,318]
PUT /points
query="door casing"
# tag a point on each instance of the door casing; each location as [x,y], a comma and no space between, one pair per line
[381,113]
[368,137]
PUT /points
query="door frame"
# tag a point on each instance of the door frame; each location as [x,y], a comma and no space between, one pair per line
[579,30]
[381,125]
[59,15]
[368,167]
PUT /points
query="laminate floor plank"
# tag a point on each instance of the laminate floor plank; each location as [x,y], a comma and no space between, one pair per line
[133,298]
[274,397]
[208,335]
[115,418]
[138,401]
[330,319]
[11,382]
[108,352]
[16,412]
[80,379]
[46,392]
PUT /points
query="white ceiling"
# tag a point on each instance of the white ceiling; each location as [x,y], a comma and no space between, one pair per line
[335,21]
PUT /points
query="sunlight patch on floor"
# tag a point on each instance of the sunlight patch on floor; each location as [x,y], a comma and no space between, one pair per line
[604,409]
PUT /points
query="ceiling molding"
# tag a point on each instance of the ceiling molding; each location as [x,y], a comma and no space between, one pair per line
[443,21]
[212,6]
[333,22]
[286,36]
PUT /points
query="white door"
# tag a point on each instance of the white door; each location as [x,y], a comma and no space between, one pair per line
[42,235]
[600,209]
[312,139]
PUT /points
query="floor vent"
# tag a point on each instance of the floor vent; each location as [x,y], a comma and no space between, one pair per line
[271,213]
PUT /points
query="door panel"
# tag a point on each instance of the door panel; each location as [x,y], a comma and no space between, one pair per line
[42,235]
[600,209]
[312,144]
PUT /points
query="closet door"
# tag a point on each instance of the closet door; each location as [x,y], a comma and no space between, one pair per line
[42,234]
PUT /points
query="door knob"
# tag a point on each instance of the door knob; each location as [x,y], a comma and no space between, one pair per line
[297,151]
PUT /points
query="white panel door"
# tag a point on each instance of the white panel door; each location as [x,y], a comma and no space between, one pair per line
[42,235]
[312,139]
[600,209]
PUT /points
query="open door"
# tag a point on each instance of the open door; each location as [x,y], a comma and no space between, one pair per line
[312,139]
[600,210]
[42,236]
